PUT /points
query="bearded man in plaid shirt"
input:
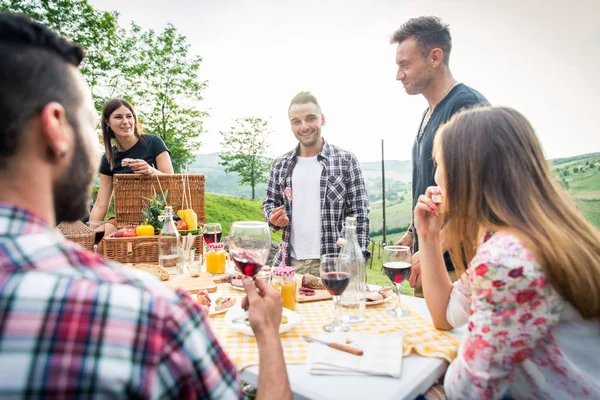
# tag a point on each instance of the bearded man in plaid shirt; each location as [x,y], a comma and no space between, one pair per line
[311,191]
[71,323]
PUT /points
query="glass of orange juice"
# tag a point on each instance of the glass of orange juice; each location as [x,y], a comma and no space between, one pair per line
[284,280]
[216,258]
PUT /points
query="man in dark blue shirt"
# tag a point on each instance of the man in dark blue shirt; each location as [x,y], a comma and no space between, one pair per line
[422,57]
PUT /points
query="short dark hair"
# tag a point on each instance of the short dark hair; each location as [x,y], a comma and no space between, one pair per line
[34,71]
[107,134]
[304,98]
[429,33]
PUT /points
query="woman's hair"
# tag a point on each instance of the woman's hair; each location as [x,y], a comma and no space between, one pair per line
[497,179]
[107,134]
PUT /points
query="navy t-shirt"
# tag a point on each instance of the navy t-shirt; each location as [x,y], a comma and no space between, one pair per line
[147,148]
[461,96]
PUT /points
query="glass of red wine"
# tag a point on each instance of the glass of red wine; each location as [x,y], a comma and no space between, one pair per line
[335,273]
[249,245]
[212,233]
[396,264]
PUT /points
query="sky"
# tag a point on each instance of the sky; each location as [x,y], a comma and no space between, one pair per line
[539,57]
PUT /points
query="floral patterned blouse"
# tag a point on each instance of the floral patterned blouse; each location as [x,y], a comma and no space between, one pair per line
[523,338]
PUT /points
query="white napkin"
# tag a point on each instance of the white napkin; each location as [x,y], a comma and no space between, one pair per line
[382,355]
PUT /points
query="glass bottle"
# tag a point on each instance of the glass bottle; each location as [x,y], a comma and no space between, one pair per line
[353,299]
[168,243]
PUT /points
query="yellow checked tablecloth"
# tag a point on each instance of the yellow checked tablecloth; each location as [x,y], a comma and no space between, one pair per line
[419,335]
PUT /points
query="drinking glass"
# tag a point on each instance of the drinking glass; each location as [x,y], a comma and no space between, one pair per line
[249,245]
[396,264]
[212,233]
[335,273]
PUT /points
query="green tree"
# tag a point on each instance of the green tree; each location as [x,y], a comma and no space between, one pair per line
[566,172]
[167,90]
[245,147]
[154,71]
[575,170]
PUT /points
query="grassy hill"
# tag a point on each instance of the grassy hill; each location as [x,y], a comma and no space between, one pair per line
[226,210]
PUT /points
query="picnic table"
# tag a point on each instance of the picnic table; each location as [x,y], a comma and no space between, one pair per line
[418,372]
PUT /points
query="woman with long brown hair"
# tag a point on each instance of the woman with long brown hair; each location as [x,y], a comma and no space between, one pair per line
[531,294]
[127,150]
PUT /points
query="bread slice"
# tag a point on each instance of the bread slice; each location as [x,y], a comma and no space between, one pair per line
[224,303]
[156,270]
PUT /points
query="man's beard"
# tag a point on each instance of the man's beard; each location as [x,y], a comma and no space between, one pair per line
[72,192]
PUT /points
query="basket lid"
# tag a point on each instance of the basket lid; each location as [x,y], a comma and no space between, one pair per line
[74,228]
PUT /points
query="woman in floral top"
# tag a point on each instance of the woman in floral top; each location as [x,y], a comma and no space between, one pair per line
[531,294]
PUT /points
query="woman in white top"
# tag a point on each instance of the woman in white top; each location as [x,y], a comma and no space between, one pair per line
[531,294]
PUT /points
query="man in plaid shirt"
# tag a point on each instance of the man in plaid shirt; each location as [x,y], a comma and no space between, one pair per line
[71,323]
[311,191]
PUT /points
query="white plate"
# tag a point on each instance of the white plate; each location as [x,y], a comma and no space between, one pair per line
[236,287]
[374,288]
[211,310]
[238,312]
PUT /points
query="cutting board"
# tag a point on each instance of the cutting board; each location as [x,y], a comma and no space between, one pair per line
[193,285]
[319,295]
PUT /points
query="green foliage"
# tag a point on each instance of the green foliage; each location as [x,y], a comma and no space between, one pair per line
[244,148]
[575,170]
[154,209]
[152,70]
[166,89]
[566,172]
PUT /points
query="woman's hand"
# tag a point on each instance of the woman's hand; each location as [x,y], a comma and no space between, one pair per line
[141,167]
[428,218]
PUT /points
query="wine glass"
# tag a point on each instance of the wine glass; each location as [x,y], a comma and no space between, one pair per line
[249,245]
[335,273]
[397,263]
[212,233]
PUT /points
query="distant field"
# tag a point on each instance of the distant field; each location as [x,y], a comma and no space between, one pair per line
[226,210]
[398,214]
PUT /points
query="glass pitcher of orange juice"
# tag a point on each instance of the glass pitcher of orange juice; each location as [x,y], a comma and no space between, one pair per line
[284,280]
[216,258]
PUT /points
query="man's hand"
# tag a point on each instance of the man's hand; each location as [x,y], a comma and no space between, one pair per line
[264,307]
[279,217]
[415,271]
[407,240]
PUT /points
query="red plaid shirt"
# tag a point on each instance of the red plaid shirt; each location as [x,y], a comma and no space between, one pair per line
[73,324]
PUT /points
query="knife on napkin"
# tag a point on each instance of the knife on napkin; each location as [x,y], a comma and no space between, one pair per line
[337,346]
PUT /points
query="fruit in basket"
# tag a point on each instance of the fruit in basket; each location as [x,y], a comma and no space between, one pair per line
[128,231]
[190,218]
[181,225]
[144,230]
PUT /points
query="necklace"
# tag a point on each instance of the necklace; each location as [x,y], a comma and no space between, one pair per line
[430,111]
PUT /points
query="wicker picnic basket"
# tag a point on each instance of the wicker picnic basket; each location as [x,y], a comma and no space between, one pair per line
[129,190]
[79,233]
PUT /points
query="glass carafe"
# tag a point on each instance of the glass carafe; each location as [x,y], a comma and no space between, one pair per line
[353,299]
[168,243]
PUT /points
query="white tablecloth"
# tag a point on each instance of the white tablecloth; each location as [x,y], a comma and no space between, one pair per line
[418,374]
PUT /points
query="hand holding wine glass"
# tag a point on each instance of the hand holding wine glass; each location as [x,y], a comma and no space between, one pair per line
[249,245]
[397,265]
[335,273]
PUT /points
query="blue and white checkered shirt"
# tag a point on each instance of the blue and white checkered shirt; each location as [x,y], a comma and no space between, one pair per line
[343,194]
